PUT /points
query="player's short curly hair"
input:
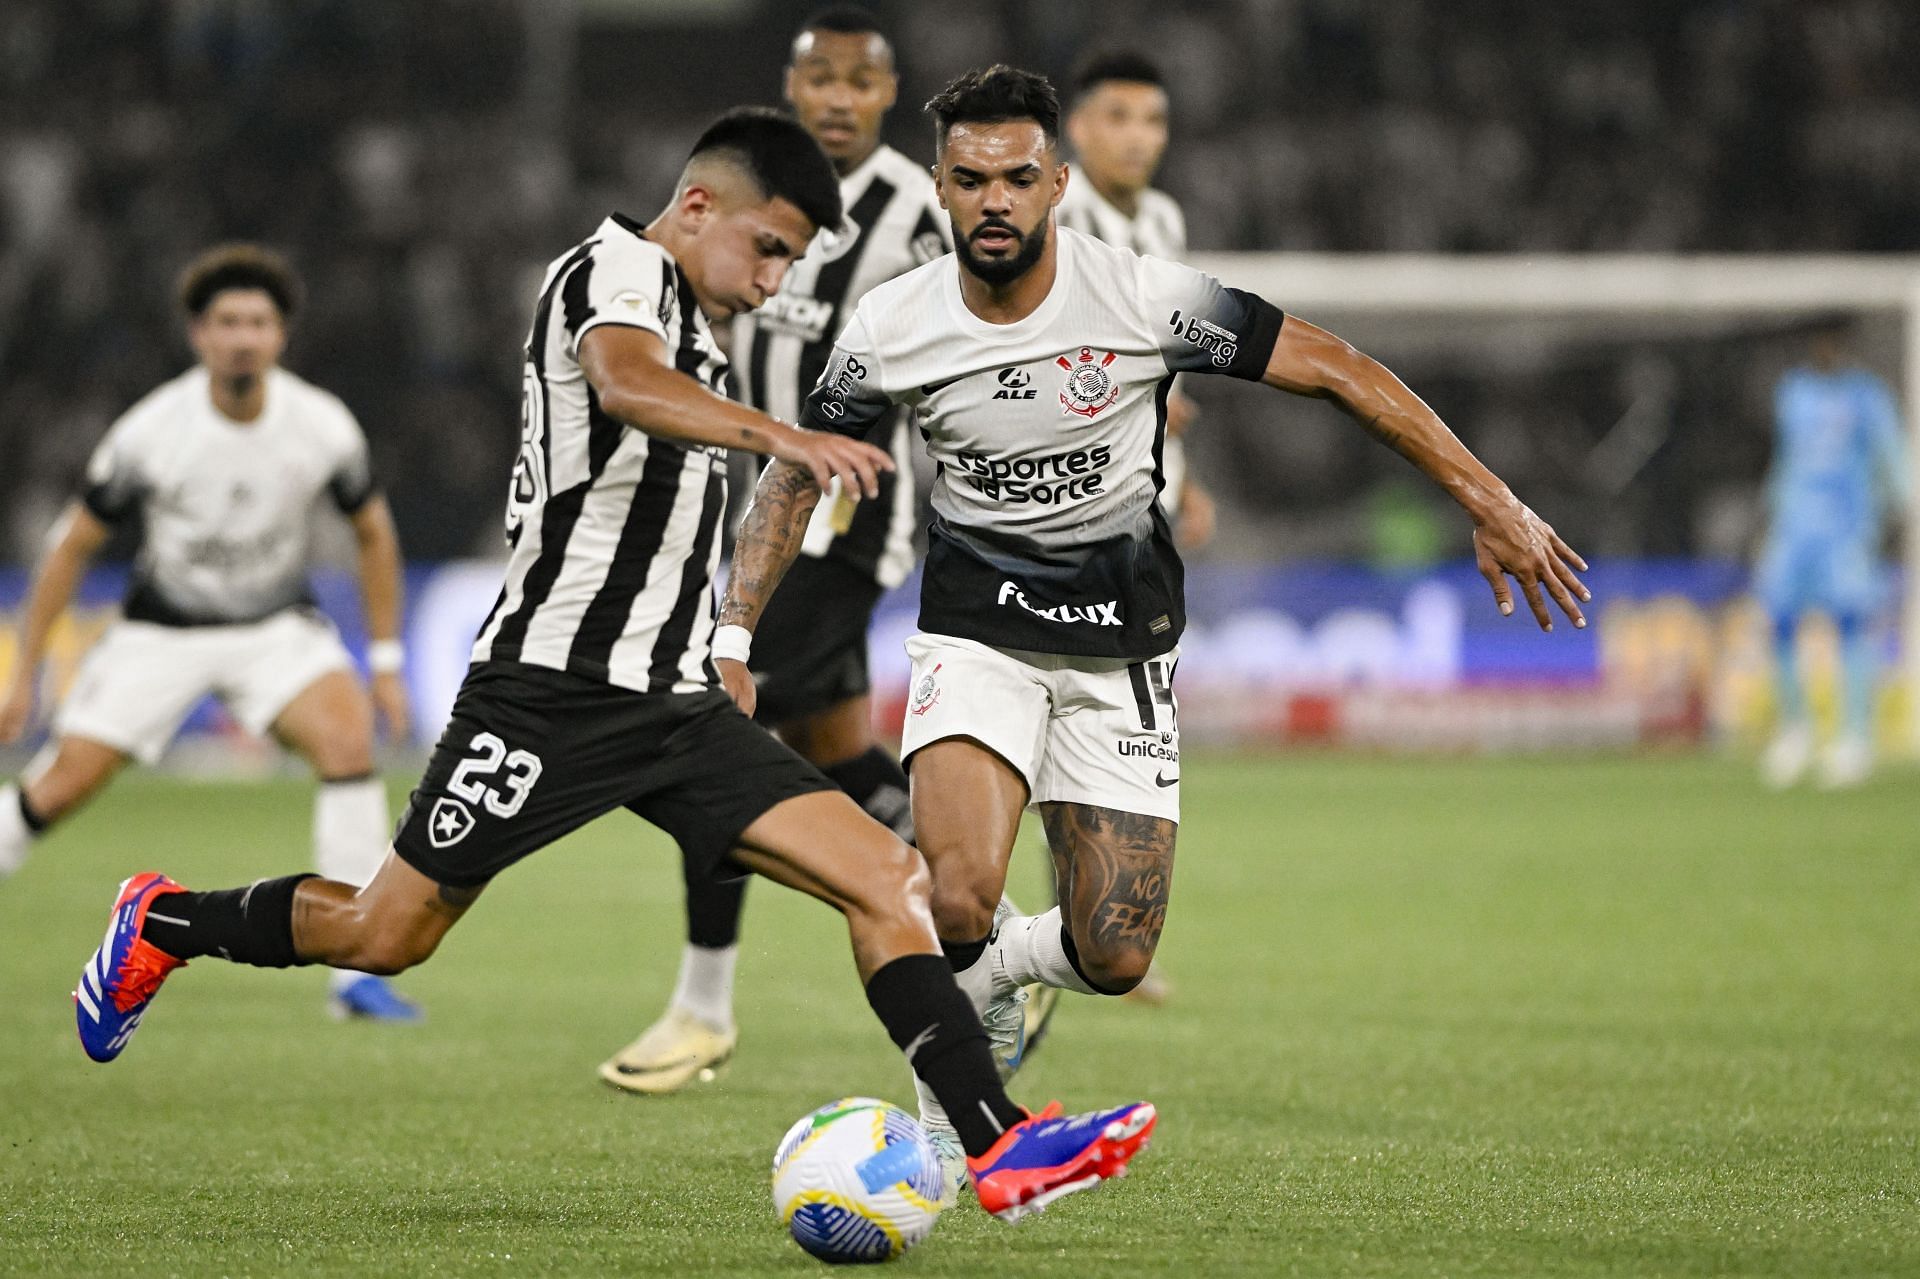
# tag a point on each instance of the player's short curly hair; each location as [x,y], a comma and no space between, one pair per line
[782,158]
[994,96]
[239,266]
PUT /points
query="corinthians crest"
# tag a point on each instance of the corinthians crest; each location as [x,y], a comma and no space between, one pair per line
[1089,387]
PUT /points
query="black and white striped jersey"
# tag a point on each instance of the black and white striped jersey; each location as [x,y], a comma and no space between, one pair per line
[615,534]
[779,351]
[1157,228]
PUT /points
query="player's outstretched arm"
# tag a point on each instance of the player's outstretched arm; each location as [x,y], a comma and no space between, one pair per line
[75,540]
[1509,540]
[637,384]
[769,541]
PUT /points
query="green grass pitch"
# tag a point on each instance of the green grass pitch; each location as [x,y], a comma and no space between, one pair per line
[1630,1017]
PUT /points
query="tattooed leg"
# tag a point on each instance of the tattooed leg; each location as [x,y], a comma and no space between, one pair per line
[1115,874]
[393,923]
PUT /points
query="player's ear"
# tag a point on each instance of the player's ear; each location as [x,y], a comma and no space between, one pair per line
[939,187]
[696,206]
[893,90]
[1059,184]
[786,85]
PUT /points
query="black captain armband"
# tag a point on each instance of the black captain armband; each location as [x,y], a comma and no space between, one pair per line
[1236,339]
[1258,338]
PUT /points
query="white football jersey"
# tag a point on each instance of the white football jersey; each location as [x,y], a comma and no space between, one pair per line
[1046,435]
[225,504]
[1157,229]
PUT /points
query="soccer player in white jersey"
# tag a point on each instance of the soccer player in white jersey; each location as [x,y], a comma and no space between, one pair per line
[1118,124]
[223,466]
[593,687]
[1037,362]
[810,662]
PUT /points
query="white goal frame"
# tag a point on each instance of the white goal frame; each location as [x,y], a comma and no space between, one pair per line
[1699,287]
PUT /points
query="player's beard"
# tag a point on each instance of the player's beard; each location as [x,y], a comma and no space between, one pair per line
[1001,271]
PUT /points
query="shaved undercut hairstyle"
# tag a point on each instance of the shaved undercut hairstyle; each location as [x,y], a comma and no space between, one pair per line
[1124,65]
[239,266]
[995,96]
[781,157]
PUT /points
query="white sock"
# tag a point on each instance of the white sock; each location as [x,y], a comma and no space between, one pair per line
[350,838]
[1029,950]
[977,981]
[705,988]
[16,837]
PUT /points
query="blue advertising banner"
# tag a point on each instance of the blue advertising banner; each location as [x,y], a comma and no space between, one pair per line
[1305,650]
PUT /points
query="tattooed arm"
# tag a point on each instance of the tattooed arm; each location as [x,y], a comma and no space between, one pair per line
[1508,538]
[769,540]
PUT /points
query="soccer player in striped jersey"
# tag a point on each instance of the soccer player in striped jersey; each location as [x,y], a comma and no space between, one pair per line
[1052,603]
[1118,125]
[810,658]
[220,470]
[593,685]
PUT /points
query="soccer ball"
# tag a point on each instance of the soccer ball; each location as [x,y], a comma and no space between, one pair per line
[857,1180]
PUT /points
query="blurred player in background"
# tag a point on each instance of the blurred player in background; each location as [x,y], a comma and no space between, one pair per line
[810,657]
[1118,126]
[593,685]
[1839,461]
[221,469]
[1052,603]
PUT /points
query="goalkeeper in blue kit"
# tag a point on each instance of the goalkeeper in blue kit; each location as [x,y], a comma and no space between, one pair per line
[1839,462]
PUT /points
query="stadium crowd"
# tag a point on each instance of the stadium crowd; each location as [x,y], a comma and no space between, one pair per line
[422,162]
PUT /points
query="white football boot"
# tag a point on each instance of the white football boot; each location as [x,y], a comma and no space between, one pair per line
[674,1052]
[1787,757]
[1846,763]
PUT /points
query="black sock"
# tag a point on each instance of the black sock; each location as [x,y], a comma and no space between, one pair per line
[251,925]
[35,822]
[934,1024]
[1073,958]
[876,783]
[713,909]
[963,955]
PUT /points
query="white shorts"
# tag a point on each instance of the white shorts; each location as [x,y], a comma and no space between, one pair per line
[1080,730]
[140,681]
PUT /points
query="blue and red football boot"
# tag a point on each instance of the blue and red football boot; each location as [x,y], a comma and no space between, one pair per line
[1049,1156]
[125,973]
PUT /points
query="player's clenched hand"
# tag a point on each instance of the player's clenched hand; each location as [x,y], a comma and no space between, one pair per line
[17,711]
[738,681]
[857,465]
[390,699]
[1517,543]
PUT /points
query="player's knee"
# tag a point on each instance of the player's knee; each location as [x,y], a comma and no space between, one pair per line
[897,879]
[963,907]
[1115,971]
[343,756]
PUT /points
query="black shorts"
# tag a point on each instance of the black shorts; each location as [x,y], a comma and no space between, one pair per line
[532,754]
[810,649]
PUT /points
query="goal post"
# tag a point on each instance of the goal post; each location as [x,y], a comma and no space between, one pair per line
[1565,295]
